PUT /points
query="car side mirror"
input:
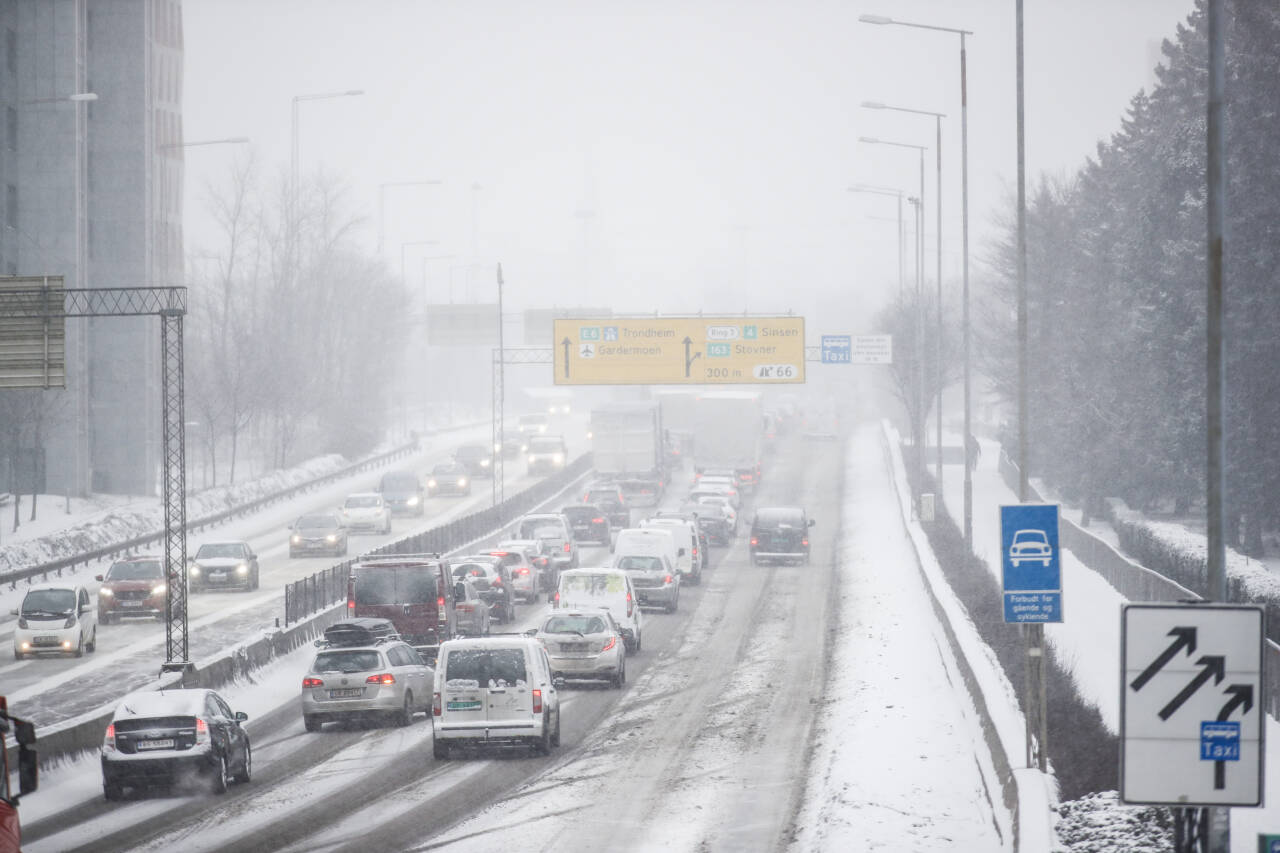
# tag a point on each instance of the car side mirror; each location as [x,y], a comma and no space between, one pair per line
[812,522]
[532,632]
[241,716]
[680,553]
[28,764]
[98,578]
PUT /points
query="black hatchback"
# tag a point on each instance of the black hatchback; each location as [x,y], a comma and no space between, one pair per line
[780,534]
[588,522]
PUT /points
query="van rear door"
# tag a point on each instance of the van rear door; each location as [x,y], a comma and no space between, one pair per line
[486,688]
[406,595]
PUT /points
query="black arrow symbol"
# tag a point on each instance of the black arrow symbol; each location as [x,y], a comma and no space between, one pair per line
[1185,638]
[1241,694]
[1214,666]
[566,342]
[688,362]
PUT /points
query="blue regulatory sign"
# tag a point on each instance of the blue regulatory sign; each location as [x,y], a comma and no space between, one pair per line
[1219,741]
[1031,563]
[837,349]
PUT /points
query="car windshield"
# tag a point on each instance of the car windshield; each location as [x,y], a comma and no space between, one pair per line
[779,518]
[1030,537]
[472,570]
[485,667]
[399,482]
[634,563]
[395,585]
[574,625]
[546,445]
[533,420]
[444,468]
[135,570]
[346,661]
[471,453]
[363,501]
[581,513]
[598,496]
[228,549]
[591,584]
[55,601]
[535,528]
[316,522]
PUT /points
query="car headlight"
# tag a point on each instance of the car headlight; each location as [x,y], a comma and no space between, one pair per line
[431,484]
[589,435]
[413,500]
[558,458]
[242,569]
[531,460]
[158,589]
[484,463]
[71,621]
[296,539]
[462,481]
[542,427]
[332,538]
[497,447]
[106,593]
[194,569]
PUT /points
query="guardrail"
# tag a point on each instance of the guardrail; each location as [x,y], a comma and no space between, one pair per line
[322,589]
[129,546]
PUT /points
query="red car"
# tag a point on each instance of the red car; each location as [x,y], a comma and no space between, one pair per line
[134,586]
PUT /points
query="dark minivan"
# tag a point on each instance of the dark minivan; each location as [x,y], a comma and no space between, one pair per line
[780,534]
[412,591]
[403,493]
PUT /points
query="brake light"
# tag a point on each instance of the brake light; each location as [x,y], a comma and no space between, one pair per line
[537,701]
[202,730]
[754,541]
[628,604]
[381,678]
[597,521]
[467,608]
[312,682]
[566,547]
[351,604]
[669,579]
[440,602]
[435,705]
[695,551]
[522,571]
[804,542]
[496,582]
[612,641]
[109,740]
[498,553]
[557,599]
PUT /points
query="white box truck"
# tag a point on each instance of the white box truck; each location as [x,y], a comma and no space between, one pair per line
[627,448]
[728,433]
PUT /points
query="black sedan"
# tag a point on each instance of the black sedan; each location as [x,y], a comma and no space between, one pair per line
[449,478]
[588,522]
[476,458]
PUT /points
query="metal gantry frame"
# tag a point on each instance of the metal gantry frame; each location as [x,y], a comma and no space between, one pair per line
[503,356]
[170,305]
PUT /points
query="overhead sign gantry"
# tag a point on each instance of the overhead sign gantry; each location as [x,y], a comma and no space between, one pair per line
[679,351]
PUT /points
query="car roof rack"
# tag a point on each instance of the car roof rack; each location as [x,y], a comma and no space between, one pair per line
[360,631]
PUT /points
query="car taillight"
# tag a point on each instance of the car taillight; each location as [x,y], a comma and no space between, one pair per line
[440,602]
[467,608]
[610,643]
[597,521]
[566,547]
[312,682]
[435,705]
[381,678]
[695,552]
[202,730]
[754,541]
[522,571]
[804,542]
[669,579]
[557,599]
[628,604]
[496,582]
[351,604]
[537,701]
[109,740]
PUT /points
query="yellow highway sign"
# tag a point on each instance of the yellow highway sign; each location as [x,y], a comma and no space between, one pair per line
[679,351]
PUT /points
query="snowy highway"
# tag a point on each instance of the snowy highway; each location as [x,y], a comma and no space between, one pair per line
[711,745]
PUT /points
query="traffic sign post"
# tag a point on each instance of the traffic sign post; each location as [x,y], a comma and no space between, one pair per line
[1191,715]
[1031,563]
[679,351]
[873,349]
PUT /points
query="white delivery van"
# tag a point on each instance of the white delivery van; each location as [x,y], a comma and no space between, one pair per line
[610,589]
[684,534]
[494,691]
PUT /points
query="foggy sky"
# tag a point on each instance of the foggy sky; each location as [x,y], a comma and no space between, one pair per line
[711,141]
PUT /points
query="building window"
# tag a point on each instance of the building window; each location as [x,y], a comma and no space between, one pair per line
[11,128]
[11,207]
[11,50]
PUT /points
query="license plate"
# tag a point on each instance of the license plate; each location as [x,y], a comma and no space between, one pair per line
[217,576]
[574,647]
[45,641]
[163,743]
[131,604]
[465,705]
[349,693]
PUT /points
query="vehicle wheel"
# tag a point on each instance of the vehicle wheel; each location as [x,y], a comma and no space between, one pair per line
[543,744]
[620,677]
[754,560]
[555,736]
[439,750]
[113,792]
[293,555]
[639,641]
[405,716]
[92,645]
[255,580]
[311,722]
[696,579]
[218,784]
[674,605]
[346,549]
[245,773]
[79,652]
[17,655]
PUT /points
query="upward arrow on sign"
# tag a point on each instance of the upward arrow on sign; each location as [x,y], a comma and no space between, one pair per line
[1185,639]
[566,344]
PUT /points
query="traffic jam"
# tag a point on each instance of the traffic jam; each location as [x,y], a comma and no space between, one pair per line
[487,644]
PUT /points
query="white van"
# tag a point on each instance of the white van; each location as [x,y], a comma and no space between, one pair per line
[684,538]
[494,690]
[610,589]
[57,618]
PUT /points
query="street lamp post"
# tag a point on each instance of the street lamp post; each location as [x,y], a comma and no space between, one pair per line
[898,194]
[937,342]
[964,204]
[920,395]
[382,202]
[293,138]
[404,246]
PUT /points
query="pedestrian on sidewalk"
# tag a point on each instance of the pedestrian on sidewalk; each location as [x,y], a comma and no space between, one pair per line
[973,451]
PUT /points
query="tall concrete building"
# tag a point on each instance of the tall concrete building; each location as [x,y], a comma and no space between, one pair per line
[91,171]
